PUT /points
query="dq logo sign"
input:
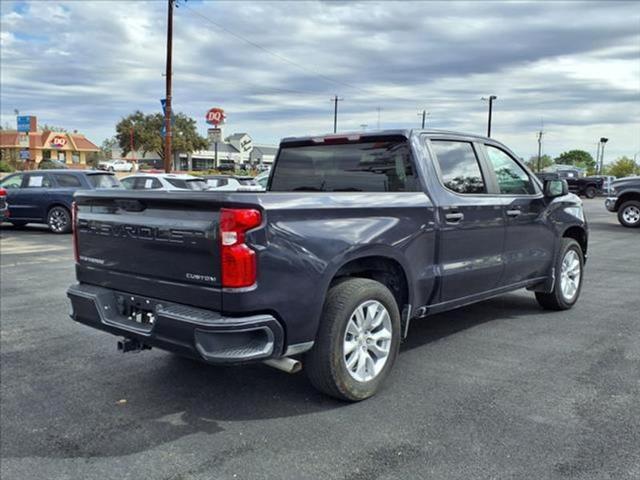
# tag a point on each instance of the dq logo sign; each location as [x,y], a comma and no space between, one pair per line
[215,116]
[59,141]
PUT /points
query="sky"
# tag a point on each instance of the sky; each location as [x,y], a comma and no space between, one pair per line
[570,68]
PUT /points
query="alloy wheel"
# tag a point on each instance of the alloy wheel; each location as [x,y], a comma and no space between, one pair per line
[570,275]
[367,341]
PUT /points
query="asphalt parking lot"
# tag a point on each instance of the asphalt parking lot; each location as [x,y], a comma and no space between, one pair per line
[500,389]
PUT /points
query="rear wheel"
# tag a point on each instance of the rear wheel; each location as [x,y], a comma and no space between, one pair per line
[590,192]
[59,220]
[629,214]
[568,283]
[357,341]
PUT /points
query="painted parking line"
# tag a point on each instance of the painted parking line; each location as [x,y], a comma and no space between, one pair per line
[14,246]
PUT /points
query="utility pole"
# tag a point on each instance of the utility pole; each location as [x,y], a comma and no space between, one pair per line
[540,133]
[167,112]
[598,157]
[424,115]
[335,99]
[603,140]
[491,99]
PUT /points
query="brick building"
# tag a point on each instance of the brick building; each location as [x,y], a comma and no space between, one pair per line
[30,148]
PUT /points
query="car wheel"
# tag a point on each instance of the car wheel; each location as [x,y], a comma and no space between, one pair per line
[357,341]
[59,220]
[590,192]
[568,283]
[629,214]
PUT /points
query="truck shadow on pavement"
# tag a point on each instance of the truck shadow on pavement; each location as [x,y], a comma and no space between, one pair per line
[120,405]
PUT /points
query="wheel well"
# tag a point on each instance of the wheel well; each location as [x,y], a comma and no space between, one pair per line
[625,197]
[54,205]
[579,235]
[382,269]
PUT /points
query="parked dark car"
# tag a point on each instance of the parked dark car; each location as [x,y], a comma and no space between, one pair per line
[45,196]
[588,187]
[356,236]
[624,199]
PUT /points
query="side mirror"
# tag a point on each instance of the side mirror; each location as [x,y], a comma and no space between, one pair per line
[555,187]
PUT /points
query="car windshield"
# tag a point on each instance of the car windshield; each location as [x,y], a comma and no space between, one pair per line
[103,180]
[188,184]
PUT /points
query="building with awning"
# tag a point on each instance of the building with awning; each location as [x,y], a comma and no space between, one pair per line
[30,148]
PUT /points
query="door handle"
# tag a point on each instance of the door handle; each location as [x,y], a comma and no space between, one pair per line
[513,213]
[454,217]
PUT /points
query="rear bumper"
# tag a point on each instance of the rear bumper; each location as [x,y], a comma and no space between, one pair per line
[189,331]
[610,203]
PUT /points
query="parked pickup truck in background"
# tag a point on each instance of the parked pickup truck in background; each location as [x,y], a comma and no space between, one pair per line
[356,236]
[586,186]
[624,199]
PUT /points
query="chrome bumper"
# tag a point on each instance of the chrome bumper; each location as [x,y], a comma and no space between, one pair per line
[610,203]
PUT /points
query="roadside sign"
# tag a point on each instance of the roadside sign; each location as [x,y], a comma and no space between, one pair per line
[163,102]
[24,155]
[215,116]
[24,123]
[215,135]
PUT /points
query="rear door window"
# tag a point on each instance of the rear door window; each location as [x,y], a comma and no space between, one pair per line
[459,166]
[372,165]
[38,180]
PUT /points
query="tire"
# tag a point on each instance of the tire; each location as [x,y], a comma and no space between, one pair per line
[590,192]
[565,292]
[340,327]
[629,214]
[59,220]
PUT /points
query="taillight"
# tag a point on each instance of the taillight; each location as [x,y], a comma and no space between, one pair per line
[3,192]
[238,260]
[74,224]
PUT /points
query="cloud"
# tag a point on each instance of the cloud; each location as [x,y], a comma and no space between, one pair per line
[273,66]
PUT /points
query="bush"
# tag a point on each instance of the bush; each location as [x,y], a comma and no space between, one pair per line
[5,167]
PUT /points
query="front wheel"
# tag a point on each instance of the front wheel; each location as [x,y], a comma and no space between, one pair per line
[568,283]
[59,220]
[357,341]
[590,192]
[629,214]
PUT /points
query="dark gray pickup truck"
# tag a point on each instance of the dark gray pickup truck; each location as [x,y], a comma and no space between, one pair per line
[356,236]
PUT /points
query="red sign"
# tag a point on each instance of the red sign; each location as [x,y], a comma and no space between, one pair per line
[59,141]
[215,116]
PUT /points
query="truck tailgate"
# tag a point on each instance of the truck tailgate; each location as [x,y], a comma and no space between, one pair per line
[152,244]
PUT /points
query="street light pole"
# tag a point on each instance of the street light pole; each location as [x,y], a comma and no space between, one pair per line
[491,99]
[167,112]
[603,141]
[336,99]
[424,115]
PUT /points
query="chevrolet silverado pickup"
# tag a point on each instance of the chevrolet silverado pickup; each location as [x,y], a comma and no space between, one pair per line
[356,236]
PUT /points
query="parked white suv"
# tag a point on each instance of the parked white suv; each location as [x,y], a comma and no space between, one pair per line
[116,166]
[163,181]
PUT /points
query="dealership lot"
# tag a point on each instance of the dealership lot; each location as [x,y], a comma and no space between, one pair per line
[500,389]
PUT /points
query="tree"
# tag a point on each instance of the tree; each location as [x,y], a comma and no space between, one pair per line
[623,167]
[577,158]
[545,161]
[106,149]
[147,134]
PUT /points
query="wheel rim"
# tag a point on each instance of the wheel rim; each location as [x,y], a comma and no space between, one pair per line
[570,275]
[367,341]
[58,220]
[631,214]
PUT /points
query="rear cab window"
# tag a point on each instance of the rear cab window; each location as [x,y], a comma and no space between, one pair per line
[459,166]
[373,164]
[103,180]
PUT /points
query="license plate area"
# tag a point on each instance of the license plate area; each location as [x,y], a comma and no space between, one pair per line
[137,311]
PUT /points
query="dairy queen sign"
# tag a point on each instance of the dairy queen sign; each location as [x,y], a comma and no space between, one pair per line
[215,116]
[58,141]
